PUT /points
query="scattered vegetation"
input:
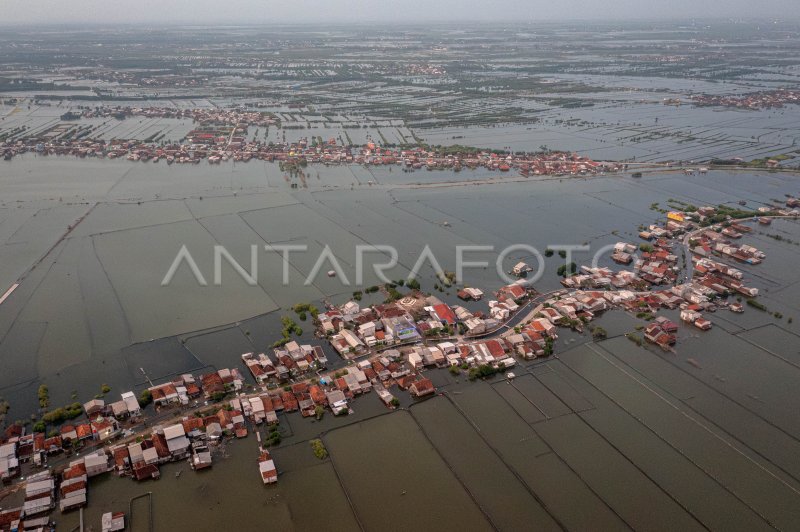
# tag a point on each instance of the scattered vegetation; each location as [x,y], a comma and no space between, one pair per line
[145,398]
[567,269]
[44,396]
[481,372]
[635,338]
[319,449]
[273,438]
[289,327]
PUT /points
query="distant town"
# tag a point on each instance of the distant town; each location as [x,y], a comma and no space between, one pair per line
[222,135]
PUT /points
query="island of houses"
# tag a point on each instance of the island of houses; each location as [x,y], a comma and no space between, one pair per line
[222,135]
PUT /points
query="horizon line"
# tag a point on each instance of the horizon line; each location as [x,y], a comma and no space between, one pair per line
[399,23]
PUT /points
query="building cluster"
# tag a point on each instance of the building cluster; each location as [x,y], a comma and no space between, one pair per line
[774,99]
[216,146]
[106,422]
[354,331]
[707,234]
[238,118]
[44,491]
[710,242]
[190,438]
[290,361]
[221,136]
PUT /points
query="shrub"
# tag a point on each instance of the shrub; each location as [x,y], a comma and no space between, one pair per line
[145,398]
[319,449]
[44,396]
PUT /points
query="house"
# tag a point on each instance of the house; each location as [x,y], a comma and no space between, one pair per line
[702,324]
[544,327]
[95,406]
[146,471]
[104,428]
[9,462]
[266,468]
[164,394]
[468,294]
[68,433]
[512,291]
[212,384]
[401,328]
[177,442]
[150,455]
[366,329]
[422,388]
[214,431]
[415,359]
[443,314]
[201,456]
[73,494]
[256,408]
[84,431]
[347,342]
[112,522]
[119,409]
[655,334]
[132,404]
[193,425]
[318,395]
[122,458]
[666,324]
[96,463]
[475,326]
[521,269]
[336,401]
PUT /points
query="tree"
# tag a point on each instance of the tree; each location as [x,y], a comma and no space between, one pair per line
[217,396]
[319,449]
[44,396]
[145,398]
[319,412]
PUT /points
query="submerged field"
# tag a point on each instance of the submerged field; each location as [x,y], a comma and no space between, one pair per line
[606,435]
[91,242]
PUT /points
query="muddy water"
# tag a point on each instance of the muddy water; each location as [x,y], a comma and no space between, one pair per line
[397,479]
[605,437]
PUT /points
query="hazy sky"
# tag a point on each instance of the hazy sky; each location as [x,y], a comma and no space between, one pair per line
[266,11]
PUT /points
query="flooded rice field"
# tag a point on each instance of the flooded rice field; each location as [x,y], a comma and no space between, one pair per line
[606,435]
[91,242]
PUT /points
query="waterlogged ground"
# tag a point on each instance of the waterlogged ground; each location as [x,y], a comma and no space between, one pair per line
[91,241]
[604,436]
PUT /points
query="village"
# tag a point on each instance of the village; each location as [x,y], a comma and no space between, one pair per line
[774,99]
[388,349]
[222,136]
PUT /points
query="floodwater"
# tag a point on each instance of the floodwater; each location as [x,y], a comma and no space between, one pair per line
[605,435]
